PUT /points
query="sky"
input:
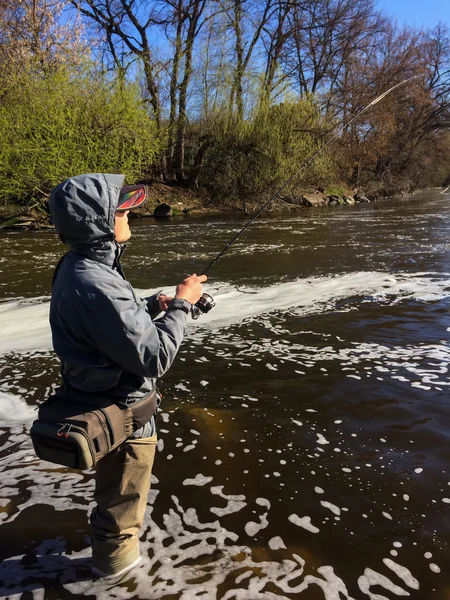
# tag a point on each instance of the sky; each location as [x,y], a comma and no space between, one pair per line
[419,13]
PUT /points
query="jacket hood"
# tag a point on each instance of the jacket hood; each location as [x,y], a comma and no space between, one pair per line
[83,210]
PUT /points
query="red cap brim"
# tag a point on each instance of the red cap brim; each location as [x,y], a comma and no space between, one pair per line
[131,196]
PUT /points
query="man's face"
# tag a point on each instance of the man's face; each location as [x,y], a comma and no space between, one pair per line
[122,231]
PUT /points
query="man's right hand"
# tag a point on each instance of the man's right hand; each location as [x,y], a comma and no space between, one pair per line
[191,288]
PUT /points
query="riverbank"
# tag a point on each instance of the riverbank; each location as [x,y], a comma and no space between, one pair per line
[167,201]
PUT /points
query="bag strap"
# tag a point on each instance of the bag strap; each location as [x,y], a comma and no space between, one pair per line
[58,266]
[55,273]
[144,409]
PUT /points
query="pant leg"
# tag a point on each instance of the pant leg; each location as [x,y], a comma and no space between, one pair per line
[122,482]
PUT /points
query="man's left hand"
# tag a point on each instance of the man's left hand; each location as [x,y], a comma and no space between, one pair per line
[163,301]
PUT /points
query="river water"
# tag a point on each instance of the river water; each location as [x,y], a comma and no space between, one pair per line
[304,439]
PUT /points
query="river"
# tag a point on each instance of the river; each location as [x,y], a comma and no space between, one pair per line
[305,432]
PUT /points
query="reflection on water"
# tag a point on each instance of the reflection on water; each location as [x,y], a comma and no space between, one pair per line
[303,443]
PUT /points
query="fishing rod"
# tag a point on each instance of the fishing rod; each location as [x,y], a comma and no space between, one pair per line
[206,302]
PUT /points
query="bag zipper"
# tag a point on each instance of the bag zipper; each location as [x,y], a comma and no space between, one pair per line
[64,431]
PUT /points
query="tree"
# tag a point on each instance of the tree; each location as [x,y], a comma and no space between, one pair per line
[246,20]
[276,34]
[40,30]
[127,22]
[194,11]
[326,36]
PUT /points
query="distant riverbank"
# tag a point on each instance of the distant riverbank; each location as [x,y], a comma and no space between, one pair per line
[165,201]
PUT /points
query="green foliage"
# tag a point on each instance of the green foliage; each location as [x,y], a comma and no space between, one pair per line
[250,159]
[335,190]
[59,124]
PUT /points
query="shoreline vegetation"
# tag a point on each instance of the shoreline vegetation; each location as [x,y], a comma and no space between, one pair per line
[225,108]
[166,202]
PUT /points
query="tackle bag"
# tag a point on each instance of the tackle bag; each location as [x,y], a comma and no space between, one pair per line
[78,434]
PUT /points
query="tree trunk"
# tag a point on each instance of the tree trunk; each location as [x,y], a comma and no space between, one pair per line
[205,143]
[239,71]
[173,90]
[198,6]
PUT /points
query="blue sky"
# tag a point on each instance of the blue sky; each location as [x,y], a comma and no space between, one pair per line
[419,13]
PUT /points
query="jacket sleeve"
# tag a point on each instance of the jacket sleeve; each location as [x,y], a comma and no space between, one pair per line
[117,323]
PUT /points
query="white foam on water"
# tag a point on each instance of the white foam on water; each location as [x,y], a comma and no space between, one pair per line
[24,323]
[356,354]
[263,502]
[304,522]
[198,480]
[403,573]
[24,326]
[15,412]
[252,528]
[174,577]
[321,439]
[235,502]
[334,509]
[276,543]
[372,578]
[181,386]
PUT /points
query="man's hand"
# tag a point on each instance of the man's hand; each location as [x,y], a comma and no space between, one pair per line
[163,301]
[191,289]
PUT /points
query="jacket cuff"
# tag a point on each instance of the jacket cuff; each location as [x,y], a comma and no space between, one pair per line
[180,304]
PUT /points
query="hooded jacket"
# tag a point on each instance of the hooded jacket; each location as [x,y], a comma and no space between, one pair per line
[103,333]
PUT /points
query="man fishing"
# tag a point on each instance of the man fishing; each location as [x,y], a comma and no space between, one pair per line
[110,346]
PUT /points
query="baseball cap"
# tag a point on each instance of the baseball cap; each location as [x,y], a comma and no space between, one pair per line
[131,196]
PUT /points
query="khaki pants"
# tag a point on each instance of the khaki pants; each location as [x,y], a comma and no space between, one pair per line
[122,482]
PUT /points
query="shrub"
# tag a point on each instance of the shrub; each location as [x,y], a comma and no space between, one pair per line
[253,158]
[58,124]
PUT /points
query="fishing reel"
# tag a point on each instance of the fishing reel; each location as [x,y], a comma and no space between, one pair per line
[204,305]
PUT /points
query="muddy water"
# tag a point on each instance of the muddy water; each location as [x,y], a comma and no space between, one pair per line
[304,438]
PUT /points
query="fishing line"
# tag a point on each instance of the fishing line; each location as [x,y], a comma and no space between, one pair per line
[334,134]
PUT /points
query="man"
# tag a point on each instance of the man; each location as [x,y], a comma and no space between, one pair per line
[108,345]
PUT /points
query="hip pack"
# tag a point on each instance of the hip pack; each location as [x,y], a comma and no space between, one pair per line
[78,434]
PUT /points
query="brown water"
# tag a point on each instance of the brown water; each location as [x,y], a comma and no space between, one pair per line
[305,427]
